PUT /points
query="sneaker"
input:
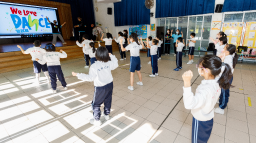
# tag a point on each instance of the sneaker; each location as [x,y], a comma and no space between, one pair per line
[152,75]
[177,69]
[156,74]
[54,91]
[64,43]
[36,82]
[192,61]
[130,88]
[219,110]
[125,58]
[189,62]
[106,117]
[65,88]
[139,83]
[86,66]
[149,62]
[174,55]
[180,68]
[94,122]
[159,58]
[121,59]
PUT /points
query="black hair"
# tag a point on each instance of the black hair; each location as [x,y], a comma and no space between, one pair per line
[180,39]
[150,38]
[85,36]
[37,43]
[169,30]
[214,64]
[49,47]
[93,46]
[155,41]
[126,31]
[232,50]
[120,33]
[179,31]
[193,34]
[102,54]
[109,35]
[222,34]
[224,40]
[134,36]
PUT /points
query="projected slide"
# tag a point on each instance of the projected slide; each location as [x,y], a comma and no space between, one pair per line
[24,20]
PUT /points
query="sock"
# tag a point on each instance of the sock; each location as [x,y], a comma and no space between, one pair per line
[37,77]
[47,75]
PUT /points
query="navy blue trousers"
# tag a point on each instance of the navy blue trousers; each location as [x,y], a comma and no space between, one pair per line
[159,52]
[224,96]
[86,58]
[53,71]
[93,60]
[179,59]
[102,95]
[109,47]
[122,53]
[154,65]
[201,131]
[38,67]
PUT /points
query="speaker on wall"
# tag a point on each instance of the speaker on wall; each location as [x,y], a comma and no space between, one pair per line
[151,14]
[109,11]
[218,8]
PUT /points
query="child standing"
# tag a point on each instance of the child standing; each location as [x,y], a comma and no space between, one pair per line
[37,52]
[100,73]
[153,53]
[122,53]
[52,59]
[191,44]
[159,50]
[231,59]
[86,48]
[150,44]
[206,96]
[179,46]
[220,45]
[134,48]
[108,42]
[92,52]
[216,42]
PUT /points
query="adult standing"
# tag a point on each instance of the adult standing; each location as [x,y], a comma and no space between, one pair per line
[81,28]
[168,38]
[175,37]
[55,31]
[125,37]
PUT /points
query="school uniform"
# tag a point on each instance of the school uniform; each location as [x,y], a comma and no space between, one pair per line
[92,56]
[175,37]
[159,50]
[108,44]
[219,48]
[122,53]
[150,44]
[100,73]
[37,52]
[191,47]
[134,56]
[201,105]
[224,96]
[179,55]
[154,58]
[53,62]
[86,48]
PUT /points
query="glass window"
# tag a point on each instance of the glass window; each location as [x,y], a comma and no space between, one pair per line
[250,17]
[171,23]
[198,27]
[183,26]
[161,22]
[233,17]
[207,27]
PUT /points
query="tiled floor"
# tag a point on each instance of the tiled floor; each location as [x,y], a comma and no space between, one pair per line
[151,113]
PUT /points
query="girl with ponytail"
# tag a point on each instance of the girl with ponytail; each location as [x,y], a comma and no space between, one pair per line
[230,58]
[216,76]
[92,52]
[217,42]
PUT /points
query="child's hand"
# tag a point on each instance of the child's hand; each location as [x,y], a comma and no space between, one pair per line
[19,46]
[140,38]
[74,74]
[187,76]
[109,54]
[37,59]
[181,32]
[61,50]
[171,31]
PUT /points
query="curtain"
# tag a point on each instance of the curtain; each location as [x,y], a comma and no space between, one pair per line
[130,12]
[239,5]
[176,8]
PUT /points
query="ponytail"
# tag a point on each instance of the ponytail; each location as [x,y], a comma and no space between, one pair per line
[93,47]
[222,34]
[232,51]
[235,60]
[225,77]
[134,36]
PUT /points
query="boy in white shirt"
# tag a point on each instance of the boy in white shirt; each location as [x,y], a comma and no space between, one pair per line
[120,37]
[179,46]
[108,42]
[100,73]
[154,58]
[52,59]
[37,52]
[86,48]
[148,52]
[159,50]
[191,44]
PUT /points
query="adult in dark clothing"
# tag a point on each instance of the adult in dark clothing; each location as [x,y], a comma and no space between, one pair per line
[81,28]
[168,41]
[125,37]
[55,31]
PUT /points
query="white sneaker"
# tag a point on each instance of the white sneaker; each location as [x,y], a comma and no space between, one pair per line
[130,88]
[152,75]
[106,117]
[54,91]
[149,62]
[159,58]
[189,63]
[86,66]
[65,88]
[156,74]
[174,55]
[36,82]
[192,61]
[139,83]
[94,122]
[125,58]
[218,101]
[219,110]
[121,59]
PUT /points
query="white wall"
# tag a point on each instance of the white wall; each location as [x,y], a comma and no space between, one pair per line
[216,17]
